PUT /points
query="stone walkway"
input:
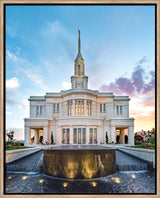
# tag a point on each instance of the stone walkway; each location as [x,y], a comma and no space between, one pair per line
[114,184]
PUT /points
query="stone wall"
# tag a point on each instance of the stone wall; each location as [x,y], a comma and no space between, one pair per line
[17,154]
[145,154]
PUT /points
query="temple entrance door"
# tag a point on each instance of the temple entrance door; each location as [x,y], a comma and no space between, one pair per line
[65,136]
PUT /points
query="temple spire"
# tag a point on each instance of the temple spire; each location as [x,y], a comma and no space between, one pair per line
[79,42]
[79,80]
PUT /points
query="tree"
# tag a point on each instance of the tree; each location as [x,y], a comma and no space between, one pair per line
[10,134]
[106,138]
[52,139]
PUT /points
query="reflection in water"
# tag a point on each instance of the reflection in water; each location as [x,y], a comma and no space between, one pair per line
[88,167]
[116,179]
[41,180]
[94,184]
[65,184]
[104,185]
[70,169]
[84,164]
[133,176]
[25,177]
[100,164]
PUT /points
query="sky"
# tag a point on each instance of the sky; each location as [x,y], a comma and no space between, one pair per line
[117,44]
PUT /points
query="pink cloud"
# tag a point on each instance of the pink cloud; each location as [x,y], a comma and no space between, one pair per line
[132,86]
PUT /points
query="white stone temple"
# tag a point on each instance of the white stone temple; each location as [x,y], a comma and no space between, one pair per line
[79,115]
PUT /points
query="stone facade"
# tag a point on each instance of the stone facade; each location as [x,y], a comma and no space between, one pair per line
[79,115]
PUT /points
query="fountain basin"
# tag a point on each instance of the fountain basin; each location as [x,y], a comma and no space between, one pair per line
[79,161]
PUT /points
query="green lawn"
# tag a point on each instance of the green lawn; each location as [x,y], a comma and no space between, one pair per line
[16,147]
[143,146]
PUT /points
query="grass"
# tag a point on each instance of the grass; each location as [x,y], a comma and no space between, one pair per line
[143,146]
[16,147]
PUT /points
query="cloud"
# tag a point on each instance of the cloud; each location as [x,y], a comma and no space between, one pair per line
[12,83]
[12,102]
[22,65]
[134,85]
[56,31]
[143,60]
[137,78]
[36,78]
[121,86]
[141,88]
[11,31]
[149,88]
[55,28]
[66,85]
[11,56]
[8,113]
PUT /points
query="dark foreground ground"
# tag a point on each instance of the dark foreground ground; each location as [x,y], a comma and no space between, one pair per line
[25,176]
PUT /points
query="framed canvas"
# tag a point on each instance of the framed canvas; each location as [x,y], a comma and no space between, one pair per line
[80,79]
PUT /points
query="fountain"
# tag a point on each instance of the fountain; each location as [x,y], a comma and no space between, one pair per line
[79,161]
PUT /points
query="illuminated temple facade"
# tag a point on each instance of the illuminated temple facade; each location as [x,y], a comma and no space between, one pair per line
[79,115]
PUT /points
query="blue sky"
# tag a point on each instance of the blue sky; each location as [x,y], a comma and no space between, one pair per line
[117,43]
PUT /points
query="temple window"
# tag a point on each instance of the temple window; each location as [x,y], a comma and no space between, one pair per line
[79,73]
[56,107]
[93,136]
[70,108]
[119,109]
[79,108]
[79,135]
[79,85]
[88,108]
[102,107]
[65,136]
[39,109]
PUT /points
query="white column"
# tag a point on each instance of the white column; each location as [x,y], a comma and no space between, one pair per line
[45,135]
[35,136]
[130,135]
[27,136]
[59,135]
[87,135]
[123,140]
[98,135]
[113,134]
[71,135]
